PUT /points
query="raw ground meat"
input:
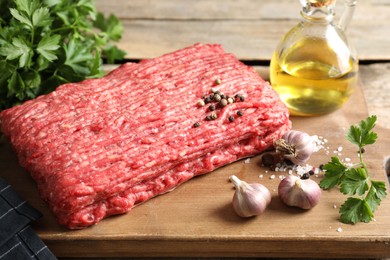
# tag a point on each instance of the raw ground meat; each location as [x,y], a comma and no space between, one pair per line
[99,147]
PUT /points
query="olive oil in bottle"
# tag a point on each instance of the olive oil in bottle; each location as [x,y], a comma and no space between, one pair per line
[314,69]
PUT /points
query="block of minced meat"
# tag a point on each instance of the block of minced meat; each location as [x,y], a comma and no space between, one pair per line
[101,146]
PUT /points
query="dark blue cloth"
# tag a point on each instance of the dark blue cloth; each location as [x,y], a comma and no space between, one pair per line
[18,241]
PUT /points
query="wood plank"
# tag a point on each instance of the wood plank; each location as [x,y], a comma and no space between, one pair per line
[249,29]
[375,80]
[248,40]
[196,219]
[229,9]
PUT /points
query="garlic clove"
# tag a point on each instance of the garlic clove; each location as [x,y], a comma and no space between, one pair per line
[249,199]
[295,146]
[296,192]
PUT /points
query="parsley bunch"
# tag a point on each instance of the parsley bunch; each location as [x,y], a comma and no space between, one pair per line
[45,43]
[366,194]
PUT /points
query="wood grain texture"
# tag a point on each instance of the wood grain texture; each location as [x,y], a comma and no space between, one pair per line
[249,29]
[375,80]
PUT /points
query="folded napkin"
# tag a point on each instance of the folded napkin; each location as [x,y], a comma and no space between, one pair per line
[17,239]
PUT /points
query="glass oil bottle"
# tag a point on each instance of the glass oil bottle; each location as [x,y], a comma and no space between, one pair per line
[314,69]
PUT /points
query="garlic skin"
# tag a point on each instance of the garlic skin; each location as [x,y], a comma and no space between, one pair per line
[304,194]
[295,146]
[249,199]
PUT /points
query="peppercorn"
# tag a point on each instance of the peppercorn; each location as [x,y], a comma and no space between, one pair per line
[305,176]
[223,102]
[239,113]
[242,98]
[321,167]
[207,100]
[223,96]
[288,162]
[311,172]
[212,107]
[231,118]
[218,81]
[201,103]
[268,160]
[230,100]
[213,116]
[217,98]
[208,118]
[196,124]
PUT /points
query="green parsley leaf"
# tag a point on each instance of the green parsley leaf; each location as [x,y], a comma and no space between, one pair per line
[41,17]
[27,6]
[335,171]
[361,134]
[112,53]
[354,180]
[24,19]
[32,81]
[18,49]
[45,43]
[16,86]
[375,195]
[76,58]
[354,210]
[111,26]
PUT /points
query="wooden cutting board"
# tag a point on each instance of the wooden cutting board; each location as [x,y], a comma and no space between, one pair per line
[196,219]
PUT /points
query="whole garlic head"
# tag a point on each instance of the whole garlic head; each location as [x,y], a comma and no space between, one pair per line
[249,199]
[304,194]
[295,146]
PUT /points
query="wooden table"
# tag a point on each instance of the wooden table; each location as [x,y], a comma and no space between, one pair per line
[196,219]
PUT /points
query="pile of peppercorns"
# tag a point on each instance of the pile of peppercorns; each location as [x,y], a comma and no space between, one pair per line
[218,100]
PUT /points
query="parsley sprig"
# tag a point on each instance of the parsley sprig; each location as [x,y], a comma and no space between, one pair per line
[365,194]
[45,43]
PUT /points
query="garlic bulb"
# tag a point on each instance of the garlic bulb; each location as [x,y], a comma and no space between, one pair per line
[296,192]
[295,146]
[249,199]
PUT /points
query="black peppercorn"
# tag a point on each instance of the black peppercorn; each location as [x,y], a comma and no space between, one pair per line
[231,118]
[305,176]
[268,160]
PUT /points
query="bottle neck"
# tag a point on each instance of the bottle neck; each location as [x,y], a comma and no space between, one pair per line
[318,14]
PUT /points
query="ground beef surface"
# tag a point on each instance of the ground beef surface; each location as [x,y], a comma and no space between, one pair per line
[99,147]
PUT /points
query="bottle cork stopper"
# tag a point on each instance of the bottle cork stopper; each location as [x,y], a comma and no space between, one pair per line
[321,3]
